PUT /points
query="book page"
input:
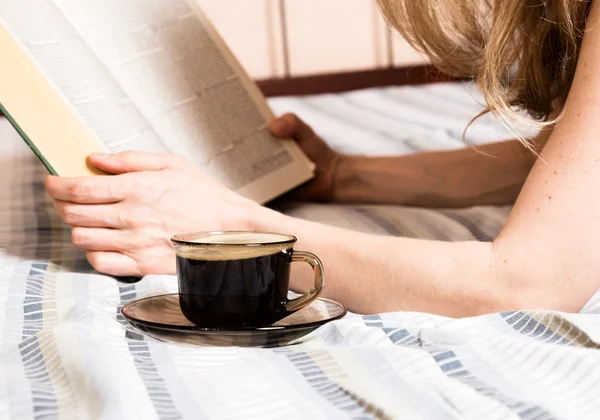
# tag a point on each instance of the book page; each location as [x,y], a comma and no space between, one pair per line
[76,72]
[154,75]
[300,169]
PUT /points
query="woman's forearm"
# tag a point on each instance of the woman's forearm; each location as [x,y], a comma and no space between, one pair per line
[374,274]
[490,175]
[452,279]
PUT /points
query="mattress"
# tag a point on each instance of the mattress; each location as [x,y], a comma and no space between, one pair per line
[67,353]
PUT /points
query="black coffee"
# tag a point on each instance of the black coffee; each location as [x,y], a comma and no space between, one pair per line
[243,292]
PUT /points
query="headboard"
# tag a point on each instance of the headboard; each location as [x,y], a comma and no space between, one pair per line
[296,47]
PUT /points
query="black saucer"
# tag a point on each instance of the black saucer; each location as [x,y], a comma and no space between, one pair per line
[161,317]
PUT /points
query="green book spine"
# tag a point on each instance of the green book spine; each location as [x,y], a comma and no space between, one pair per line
[27,140]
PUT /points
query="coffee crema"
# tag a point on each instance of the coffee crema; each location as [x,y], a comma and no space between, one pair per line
[228,246]
[246,238]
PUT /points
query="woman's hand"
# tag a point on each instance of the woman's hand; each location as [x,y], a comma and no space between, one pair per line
[321,187]
[125,221]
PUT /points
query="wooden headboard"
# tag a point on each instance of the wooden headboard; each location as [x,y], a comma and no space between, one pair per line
[352,80]
[296,47]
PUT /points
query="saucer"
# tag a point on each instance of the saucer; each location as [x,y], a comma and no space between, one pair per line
[161,317]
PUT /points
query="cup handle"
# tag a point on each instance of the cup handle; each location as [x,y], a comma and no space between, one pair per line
[305,300]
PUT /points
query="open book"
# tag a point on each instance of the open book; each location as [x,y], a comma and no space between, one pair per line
[84,76]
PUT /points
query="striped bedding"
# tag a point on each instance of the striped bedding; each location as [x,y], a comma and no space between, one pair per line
[67,353]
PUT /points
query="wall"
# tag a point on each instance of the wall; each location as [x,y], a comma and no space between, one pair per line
[323,36]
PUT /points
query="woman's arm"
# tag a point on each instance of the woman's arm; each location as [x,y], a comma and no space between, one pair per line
[375,274]
[492,174]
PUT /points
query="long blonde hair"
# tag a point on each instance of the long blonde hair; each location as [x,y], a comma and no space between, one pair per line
[523,53]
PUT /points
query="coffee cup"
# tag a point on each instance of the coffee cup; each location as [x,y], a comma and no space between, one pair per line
[240,279]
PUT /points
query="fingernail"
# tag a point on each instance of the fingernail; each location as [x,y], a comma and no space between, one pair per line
[100,156]
[280,125]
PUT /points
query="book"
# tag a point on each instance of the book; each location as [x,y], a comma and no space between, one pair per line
[79,77]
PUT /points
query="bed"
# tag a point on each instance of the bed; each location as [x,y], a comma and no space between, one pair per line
[67,352]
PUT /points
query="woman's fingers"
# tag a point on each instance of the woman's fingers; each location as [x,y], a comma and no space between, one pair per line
[94,215]
[131,161]
[289,125]
[110,189]
[122,265]
[98,239]
[90,190]
[113,263]
[150,254]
